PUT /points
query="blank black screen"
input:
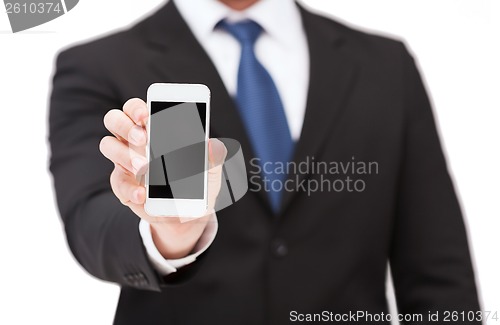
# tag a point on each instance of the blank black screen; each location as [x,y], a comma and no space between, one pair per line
[177,150]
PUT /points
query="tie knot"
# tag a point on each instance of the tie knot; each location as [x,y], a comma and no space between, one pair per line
[246,32]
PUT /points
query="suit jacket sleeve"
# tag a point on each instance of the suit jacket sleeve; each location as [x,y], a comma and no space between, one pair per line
[430,257]
[102,233]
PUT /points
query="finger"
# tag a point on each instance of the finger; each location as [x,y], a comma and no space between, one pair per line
[119,153]
[126,189]
[137,110]
[108,121]
[120,125]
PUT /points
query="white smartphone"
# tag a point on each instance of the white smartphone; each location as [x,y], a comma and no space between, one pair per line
[177,150]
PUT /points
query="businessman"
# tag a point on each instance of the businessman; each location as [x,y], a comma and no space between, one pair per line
[293,88]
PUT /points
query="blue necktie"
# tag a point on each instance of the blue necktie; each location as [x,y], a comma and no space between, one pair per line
[261,110]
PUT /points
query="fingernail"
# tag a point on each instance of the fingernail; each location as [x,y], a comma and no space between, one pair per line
[138,163]
[138,116]
[137,135]
[135,196]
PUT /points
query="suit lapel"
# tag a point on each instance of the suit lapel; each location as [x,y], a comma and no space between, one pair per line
[332,76]
[178,57]
[174,55]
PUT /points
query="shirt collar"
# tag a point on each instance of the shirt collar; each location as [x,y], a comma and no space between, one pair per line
[279,18]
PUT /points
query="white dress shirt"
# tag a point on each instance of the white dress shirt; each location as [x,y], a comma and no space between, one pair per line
[281,48]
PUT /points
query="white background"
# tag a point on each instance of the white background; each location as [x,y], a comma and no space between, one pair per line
[455,41]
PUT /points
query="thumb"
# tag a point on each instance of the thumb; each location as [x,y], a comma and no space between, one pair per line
[216,152]
[216,156]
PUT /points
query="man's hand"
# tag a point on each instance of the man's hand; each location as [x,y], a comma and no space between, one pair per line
[174,237]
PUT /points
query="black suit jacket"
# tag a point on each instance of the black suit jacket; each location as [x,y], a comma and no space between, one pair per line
[324,251]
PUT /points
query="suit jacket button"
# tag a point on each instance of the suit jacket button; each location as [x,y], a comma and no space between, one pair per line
[279,248]
[142,279]
[129,278]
